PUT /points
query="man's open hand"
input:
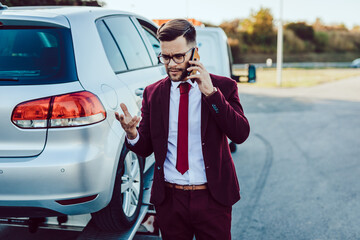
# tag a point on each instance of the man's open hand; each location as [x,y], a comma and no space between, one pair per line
[128,123]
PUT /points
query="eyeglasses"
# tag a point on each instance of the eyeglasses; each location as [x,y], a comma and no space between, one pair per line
[177,58]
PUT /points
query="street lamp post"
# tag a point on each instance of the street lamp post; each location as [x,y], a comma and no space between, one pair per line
[279,57]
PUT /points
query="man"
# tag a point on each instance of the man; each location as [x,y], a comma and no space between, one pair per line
[186,121]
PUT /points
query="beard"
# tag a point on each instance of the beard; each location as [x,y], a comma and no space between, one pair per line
[180,75]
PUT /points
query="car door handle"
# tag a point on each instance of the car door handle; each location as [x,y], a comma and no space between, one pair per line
[139,92]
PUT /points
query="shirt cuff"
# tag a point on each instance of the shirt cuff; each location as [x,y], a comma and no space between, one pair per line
[214,91]
[132,142]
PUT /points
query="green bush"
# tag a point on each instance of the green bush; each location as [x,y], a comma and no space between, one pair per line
[341,42]
[302,30]
[321,41]
[292,43]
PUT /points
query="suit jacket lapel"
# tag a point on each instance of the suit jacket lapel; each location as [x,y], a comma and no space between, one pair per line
[164,97]
[204,116]
[205,113]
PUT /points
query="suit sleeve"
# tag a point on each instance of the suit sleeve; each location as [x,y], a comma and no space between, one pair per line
[228,114]
[143,147]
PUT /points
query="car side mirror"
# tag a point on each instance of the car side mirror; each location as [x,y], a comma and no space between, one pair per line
[251,76]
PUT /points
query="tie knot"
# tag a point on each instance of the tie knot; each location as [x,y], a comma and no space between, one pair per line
[184,88]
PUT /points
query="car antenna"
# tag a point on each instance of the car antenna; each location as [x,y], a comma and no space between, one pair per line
[3,7]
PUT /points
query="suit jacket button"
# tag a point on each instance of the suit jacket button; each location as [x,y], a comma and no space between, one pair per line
[158,167]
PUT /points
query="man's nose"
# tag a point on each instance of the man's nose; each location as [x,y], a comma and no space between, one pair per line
[172,63]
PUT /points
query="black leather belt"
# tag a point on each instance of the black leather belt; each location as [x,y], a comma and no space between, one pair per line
[186,187]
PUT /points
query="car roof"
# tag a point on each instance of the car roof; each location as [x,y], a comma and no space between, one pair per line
[57,15]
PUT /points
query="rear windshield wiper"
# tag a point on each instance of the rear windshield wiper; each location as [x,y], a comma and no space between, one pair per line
[9,79]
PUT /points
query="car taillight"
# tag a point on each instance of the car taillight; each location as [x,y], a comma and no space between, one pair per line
[68,110]
[32,114]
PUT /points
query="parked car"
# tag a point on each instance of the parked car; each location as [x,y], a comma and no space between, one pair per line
[63,73]
[355,63]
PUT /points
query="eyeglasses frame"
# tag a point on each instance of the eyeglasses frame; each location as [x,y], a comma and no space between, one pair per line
[172,57]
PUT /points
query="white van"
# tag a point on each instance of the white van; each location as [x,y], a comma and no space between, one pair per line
[215,53]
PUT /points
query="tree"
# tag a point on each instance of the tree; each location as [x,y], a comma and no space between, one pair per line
[302,30]
[232,27]
[13,3]
[260,27]
[356,28]
[318,25]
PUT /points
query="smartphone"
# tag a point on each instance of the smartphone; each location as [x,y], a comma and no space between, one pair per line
[194,57]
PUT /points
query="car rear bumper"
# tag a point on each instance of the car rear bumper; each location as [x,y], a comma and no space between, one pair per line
[76,163]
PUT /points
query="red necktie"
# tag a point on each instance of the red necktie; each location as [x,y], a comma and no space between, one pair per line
[182,163]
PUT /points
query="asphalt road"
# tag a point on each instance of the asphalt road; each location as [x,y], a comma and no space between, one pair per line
[298,170]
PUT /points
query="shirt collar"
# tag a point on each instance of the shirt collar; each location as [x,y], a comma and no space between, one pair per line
[175,85]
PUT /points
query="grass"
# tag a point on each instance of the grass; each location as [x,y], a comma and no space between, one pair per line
[299,77]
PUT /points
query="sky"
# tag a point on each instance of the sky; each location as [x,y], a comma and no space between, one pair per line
[217,11]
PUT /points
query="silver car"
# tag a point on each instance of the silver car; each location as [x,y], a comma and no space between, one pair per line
[355,63]
[63,73]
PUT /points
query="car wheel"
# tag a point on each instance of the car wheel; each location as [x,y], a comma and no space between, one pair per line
[232,147]
[125,204]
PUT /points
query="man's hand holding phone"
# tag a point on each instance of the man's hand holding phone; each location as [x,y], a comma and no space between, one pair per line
[202,78]
[194,57]
[128,123]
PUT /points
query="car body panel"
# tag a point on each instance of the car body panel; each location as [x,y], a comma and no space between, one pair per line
[17,142]
[32,17]
[77,169]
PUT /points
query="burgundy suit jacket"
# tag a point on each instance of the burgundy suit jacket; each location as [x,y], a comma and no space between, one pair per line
[221,117]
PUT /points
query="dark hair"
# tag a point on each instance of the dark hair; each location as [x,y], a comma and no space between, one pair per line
[175,28]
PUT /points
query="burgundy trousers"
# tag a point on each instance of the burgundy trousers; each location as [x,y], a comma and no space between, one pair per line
[185,213]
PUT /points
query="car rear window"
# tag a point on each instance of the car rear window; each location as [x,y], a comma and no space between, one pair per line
[36,56]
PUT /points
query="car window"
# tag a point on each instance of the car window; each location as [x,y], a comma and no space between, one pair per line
[36,56]
[112,51]
[155,43]
[128,39]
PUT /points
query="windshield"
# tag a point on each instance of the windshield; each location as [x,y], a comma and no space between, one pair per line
[36,56]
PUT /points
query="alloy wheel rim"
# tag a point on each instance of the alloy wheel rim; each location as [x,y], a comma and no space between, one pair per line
[130,186]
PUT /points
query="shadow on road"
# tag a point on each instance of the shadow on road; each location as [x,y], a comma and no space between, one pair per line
[298,171]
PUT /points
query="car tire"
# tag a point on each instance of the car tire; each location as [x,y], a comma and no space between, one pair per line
[232,147]
[124,207]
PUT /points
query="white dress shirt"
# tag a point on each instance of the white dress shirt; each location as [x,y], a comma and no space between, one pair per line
[196,173]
